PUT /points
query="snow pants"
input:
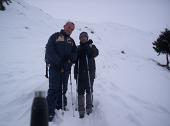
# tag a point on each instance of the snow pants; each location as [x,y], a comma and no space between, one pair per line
[84,87]
[57,79]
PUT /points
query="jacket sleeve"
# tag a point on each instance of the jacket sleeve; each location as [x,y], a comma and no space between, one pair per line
[73,55]
[51,55]
[92,51]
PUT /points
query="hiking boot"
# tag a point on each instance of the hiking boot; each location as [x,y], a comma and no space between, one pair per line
[89,111]
[88,104]
[81,108]
[81,115]
[81,104]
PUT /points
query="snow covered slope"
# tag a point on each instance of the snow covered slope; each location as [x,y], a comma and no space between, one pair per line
[148,15]
[130,89]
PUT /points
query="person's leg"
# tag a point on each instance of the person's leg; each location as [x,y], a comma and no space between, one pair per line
[65,86]
[81,107]
[81,99]
[89,96]
[53,91]
[58,102]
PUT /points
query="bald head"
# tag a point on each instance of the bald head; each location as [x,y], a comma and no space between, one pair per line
[69,27]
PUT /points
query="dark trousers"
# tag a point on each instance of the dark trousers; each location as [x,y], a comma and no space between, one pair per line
[83,83]
[85,87]
[56,80]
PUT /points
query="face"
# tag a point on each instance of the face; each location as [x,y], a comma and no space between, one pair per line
[83,39]
[68,28]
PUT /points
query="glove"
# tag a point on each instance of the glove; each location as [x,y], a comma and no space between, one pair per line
[89,50]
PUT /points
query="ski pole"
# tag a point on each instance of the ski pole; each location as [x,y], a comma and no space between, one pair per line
[77,82]
[89,77]
[46,70]
[62,71]
[71,95]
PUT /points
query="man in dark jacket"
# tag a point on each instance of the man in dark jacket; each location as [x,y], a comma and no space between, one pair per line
[61,52]
[84,73]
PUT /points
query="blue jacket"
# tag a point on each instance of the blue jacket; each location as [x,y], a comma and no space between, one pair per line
[61,51]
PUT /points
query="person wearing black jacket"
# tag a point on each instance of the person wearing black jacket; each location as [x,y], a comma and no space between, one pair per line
[84,73]
[61,53]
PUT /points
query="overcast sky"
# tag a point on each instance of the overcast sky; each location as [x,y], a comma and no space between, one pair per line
[147,15]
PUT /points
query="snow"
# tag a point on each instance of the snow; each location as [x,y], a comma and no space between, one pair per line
[130,89]
[147,15]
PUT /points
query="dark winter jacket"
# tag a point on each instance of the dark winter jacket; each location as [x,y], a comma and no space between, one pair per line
[61,50]
[89,50]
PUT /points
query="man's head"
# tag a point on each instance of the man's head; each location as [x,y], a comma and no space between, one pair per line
[83,37]
[69,27]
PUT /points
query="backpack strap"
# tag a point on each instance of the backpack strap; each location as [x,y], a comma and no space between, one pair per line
[46,70]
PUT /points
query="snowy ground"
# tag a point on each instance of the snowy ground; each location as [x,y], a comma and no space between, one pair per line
[130,89]
[147,15]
